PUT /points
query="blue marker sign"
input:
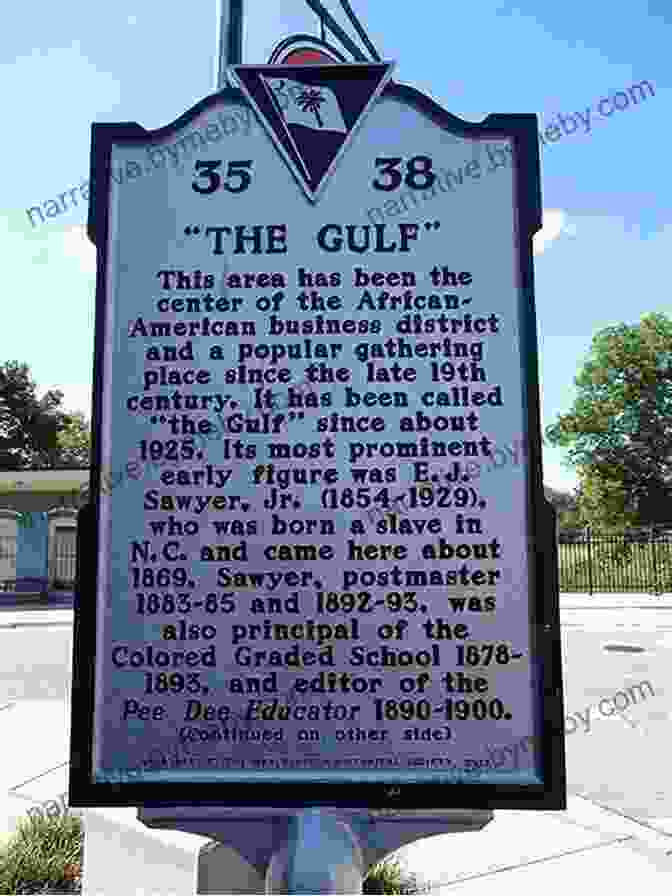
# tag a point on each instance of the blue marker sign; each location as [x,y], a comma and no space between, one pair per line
[314,594]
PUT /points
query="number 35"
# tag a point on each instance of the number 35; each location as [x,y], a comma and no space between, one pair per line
[236,171]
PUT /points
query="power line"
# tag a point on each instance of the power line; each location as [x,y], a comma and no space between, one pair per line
[359,29]
[328,20]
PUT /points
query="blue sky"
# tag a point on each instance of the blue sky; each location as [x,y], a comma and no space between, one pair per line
[607,194]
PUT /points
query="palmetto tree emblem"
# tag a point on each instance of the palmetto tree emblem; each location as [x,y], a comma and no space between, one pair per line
[310,100]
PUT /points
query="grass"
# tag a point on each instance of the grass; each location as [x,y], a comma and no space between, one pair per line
[389,877]
[43,856]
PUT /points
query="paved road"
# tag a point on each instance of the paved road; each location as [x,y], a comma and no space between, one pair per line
[623,761]
[620,762]
[35,663]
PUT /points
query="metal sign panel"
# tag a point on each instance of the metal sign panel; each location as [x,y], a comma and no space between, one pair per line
[317,578]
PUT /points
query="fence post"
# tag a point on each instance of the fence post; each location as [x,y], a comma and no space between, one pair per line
[657,587]
[590,562]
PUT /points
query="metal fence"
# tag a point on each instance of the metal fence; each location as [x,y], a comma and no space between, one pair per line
[638,561]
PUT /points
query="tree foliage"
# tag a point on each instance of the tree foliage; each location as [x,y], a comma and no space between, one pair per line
[74,442]
[603,501]
[560,500]
[34,433]
[619,429]
[566,508]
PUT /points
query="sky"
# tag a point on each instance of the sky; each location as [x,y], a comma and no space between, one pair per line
[600,260]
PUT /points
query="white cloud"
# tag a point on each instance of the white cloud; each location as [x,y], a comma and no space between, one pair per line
[76,396]
[557,477]
[47,245]
[77,245]
[48,305]
[554,222]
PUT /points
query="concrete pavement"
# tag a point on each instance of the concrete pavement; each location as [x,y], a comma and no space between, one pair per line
[530,852]
[519,852]
[14,618]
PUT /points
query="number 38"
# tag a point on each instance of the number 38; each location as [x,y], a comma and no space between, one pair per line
[419,174]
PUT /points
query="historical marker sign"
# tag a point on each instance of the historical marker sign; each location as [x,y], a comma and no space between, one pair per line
[315,359]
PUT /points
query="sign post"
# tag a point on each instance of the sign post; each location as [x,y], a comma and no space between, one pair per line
[230,38]
[318,580]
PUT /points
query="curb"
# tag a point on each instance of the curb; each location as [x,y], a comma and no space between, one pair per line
[19,619]
[602,605]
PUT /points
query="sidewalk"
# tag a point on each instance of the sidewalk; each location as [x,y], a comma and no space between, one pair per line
[527,853]
[14,617]
[519,853]
[615,602]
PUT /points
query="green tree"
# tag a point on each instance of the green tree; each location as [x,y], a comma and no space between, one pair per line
[619,429]
[74,442]
[32,429]
[572,519]
[603,500]
[566,508]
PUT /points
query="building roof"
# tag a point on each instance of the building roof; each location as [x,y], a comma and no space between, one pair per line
[43,481]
